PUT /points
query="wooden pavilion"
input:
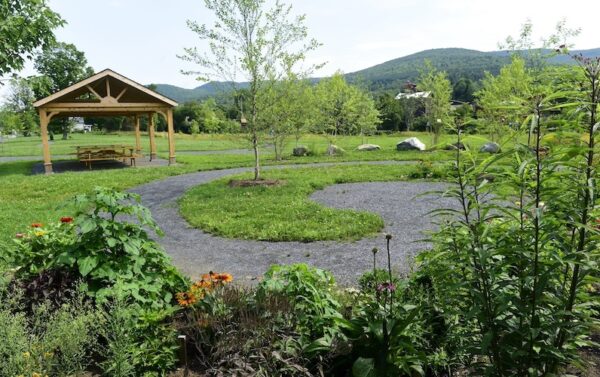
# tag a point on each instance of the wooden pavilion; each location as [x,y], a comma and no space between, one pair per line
[107,93]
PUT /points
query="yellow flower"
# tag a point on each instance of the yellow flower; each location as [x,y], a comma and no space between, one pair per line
[26,355]
[36,374]
[40,233]
[48,355]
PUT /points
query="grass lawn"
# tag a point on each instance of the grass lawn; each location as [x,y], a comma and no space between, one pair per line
[285,212]
[25,199]
[32,146]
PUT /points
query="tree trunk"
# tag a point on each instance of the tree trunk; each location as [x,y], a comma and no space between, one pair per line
[256,158]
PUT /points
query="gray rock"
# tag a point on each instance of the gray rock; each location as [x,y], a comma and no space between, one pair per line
[368,147]
[410,144]
[334,150]
[300,151]
[490,148]
[455,146]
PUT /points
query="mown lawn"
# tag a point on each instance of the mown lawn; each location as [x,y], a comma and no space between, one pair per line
[25,199]
[32,146]
[284,212]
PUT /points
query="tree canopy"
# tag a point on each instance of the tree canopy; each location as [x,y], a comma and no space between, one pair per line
[25,26]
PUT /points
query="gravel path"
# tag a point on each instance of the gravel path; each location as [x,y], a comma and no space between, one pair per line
[195,252]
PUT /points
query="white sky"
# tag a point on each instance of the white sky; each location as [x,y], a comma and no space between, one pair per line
[141,38]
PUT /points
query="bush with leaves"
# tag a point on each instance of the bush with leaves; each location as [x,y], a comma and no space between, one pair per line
[56,342]
[102,250]
[512,267]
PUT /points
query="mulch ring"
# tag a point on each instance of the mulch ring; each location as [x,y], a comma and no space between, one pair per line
[253,183]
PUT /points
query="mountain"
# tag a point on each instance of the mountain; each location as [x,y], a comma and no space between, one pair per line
[391,75]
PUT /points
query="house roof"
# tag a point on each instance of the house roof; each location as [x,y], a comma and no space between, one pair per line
[106,89]
[413,95]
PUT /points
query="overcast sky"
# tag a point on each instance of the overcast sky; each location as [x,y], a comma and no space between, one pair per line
[141,38]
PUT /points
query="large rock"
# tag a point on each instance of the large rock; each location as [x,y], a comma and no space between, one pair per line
[455,146]
[334,150]
[368,147]
[300,151]
[410,144]
[490,148]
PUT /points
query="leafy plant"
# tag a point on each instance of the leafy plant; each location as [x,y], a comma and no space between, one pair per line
[102,250]
[511,265]
[310,291]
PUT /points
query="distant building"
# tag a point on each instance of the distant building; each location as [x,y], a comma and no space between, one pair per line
[413,95]
[80,126]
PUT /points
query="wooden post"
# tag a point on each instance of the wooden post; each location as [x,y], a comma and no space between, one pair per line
[138,141]
[151,134]
[171,136]
[45,144]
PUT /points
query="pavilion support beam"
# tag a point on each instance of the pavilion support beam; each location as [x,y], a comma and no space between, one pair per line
[45,144]
[151,135]
[138,139]
[171,134]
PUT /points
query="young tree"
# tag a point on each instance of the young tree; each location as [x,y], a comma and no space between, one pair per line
[287,111]
[503,98]
[344,109]
[437,104]
[25,26]
[263,45]
[62,65]
[391,111]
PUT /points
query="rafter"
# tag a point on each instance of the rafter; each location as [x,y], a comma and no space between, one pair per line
[93,92]
[121,94]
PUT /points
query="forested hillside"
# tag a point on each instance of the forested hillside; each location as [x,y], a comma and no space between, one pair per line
[389,76]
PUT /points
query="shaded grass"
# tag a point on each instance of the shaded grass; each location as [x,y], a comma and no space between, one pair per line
[285,212]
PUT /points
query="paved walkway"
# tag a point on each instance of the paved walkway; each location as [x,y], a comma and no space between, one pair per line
[404,211]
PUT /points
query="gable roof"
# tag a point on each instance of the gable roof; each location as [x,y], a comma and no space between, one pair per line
[106,84]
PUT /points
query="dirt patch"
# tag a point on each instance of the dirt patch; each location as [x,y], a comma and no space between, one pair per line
[253,183]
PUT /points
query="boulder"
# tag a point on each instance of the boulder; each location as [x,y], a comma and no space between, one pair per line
[410,144]
[455,146]
[368,147]
[490,148]
[334,150]
[300,151]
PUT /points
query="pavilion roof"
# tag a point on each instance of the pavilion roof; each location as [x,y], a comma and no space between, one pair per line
[105,92]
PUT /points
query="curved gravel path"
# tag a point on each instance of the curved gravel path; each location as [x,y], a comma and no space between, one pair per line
[405,215]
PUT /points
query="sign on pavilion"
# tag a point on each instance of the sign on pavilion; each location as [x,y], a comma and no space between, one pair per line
[107,93]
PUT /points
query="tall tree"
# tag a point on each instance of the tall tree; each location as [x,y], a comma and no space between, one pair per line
[19,102]
[262,44]
[25,25]
[62,65]
[437,104]
[344,109]
[392,114]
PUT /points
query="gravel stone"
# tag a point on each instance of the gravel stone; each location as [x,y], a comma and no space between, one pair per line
[401,205]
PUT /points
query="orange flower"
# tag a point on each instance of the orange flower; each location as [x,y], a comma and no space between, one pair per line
[37,225]
[66,220]
[186,298]
[203,284]
[223,277]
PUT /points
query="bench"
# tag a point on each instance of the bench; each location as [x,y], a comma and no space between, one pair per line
[91,153]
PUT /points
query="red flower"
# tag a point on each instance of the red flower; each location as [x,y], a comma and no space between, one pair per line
[19,235]
[66,220]
[37,225]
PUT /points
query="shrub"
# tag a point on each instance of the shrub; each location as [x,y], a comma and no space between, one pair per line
[310,291]
[102,250]
[48,342]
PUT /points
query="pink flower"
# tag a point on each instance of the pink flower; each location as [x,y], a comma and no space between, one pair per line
[19,235]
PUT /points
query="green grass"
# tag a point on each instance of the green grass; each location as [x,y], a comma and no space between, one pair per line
[32,146]
[25,199]
[285,212]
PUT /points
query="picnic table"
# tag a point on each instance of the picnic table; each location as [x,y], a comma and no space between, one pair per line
[90,153]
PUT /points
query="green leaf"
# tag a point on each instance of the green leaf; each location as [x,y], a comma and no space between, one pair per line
[87,264]
[363,368]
